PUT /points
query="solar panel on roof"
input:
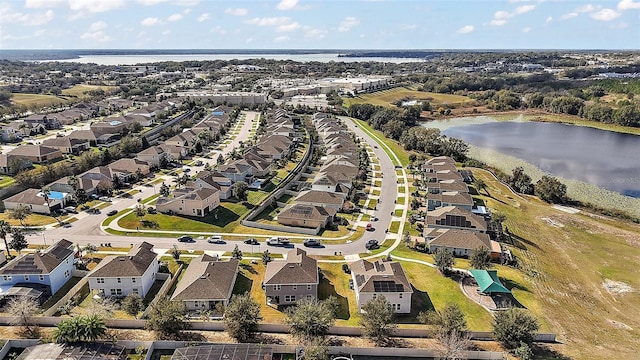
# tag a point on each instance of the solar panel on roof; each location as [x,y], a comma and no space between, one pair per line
[387,286]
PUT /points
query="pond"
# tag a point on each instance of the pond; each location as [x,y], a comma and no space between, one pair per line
[604,158]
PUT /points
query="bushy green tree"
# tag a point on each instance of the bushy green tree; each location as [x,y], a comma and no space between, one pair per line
[443,260]
[166,319]
[377,322]
[242,317]
[480,258]
[514,327]
[133,304]
[310,319]
[549,189]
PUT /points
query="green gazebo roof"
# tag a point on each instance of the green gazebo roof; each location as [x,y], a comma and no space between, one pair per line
[489,282]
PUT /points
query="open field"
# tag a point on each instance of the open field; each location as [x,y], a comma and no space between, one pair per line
[388,97]
[36,100]
[79,90]
[580,271]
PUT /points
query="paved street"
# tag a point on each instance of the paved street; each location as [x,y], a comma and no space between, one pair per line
[87,229]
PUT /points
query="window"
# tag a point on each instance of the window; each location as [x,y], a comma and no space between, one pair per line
[295,287]
[116,292]
[41,277]
[277,287]
[400,295]
[119,280]
[134,291]
[289,298]
[309,297]
[133,280]
[100,280]
[26,278]
[6,278]
[308,286]
[374,296]
[66,273]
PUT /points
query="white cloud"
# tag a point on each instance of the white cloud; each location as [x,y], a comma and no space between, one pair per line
[281,39]
[269,21]
[523,9]
[500,17]
[38,4]
[568,16]
[605,15]
[98,36]
[465,29]
[188,3]
[408,26]
[175,17]
[587,8]
[98,25]
[314,33]
[7,16]
[166,32]
[248,40]
[218,30]
[186,11]
[151,2]
[526,30]
[204,17]
[151,21]
[628,5]
[288,27]
[236,11]
[347,23]
[287,4]
[549,19]
[95,6]
[498,22]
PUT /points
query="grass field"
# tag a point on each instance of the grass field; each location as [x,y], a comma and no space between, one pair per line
[36,100]
[566,260]
[79,90]
[388,97]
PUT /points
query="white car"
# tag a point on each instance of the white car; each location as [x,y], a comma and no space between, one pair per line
[215,239]
[104,198]
[278,241]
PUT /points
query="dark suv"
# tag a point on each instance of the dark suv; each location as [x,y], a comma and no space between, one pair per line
[372,244]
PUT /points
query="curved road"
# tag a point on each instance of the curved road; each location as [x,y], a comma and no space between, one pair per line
[87,229]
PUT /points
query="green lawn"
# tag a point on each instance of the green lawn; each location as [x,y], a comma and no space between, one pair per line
[395,226]
[393,146]
[372,204]
[388,97]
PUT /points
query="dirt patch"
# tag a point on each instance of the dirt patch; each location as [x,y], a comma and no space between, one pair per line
[552,222]
[616,287]
[619,324]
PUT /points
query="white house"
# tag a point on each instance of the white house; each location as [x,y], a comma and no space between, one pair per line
[122,275]
[381,278]
[42,274]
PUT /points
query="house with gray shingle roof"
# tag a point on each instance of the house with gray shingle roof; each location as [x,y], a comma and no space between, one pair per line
[381,278]
[461,242]
[288,281]
[321,198]
[192,200]
[206,283]
[308,216]
[44,272]
[121,275]
[451,217]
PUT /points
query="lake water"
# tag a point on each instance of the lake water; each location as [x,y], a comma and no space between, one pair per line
[142,59]
[604,158]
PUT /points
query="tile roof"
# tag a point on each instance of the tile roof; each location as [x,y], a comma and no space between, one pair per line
[297,269]
[207,279]
[40,262]
[380,276]
[135,263]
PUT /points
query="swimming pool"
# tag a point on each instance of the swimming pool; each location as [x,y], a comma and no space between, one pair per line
[57,195]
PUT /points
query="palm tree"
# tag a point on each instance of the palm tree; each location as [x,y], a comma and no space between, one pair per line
[5,229]
[480,185]
[93,327]
[45,194]
[20,213]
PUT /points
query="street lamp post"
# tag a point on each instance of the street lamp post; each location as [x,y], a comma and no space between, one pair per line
[44,240]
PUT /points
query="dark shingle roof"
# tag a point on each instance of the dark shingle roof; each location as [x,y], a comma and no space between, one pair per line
[297,269]
[40,262]
[207,279]
[135,263]
[380,276]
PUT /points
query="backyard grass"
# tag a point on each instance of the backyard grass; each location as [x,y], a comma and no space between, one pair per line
[60,293]
[566,260]
[250,278]
[31,220]
[336,283]
[388,97]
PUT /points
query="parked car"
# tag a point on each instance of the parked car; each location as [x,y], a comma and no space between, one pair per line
[186,169]
[311,242]
[215,239]
[185,238]
[104,198]
[198,163]
[71,209]
[374,218]
[251,241]
[372,244]
[112,212]
[369,227]
[278,241]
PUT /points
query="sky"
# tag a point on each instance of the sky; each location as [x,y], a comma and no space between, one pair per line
[319,24]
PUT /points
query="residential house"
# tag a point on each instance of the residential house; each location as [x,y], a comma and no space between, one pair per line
[84,135]
[49,121]
[12,165]
[452,217]
[36,153]
[237,171]
[215,180]
[154,156]
[190,201]
[9,134]
[450,198]
[381,278]
[325,199]
[34,199]
[206,283]
[121,275]
[128,169]
[37,275]
[67,145]
[462,242]
[308,216]
[288,281]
